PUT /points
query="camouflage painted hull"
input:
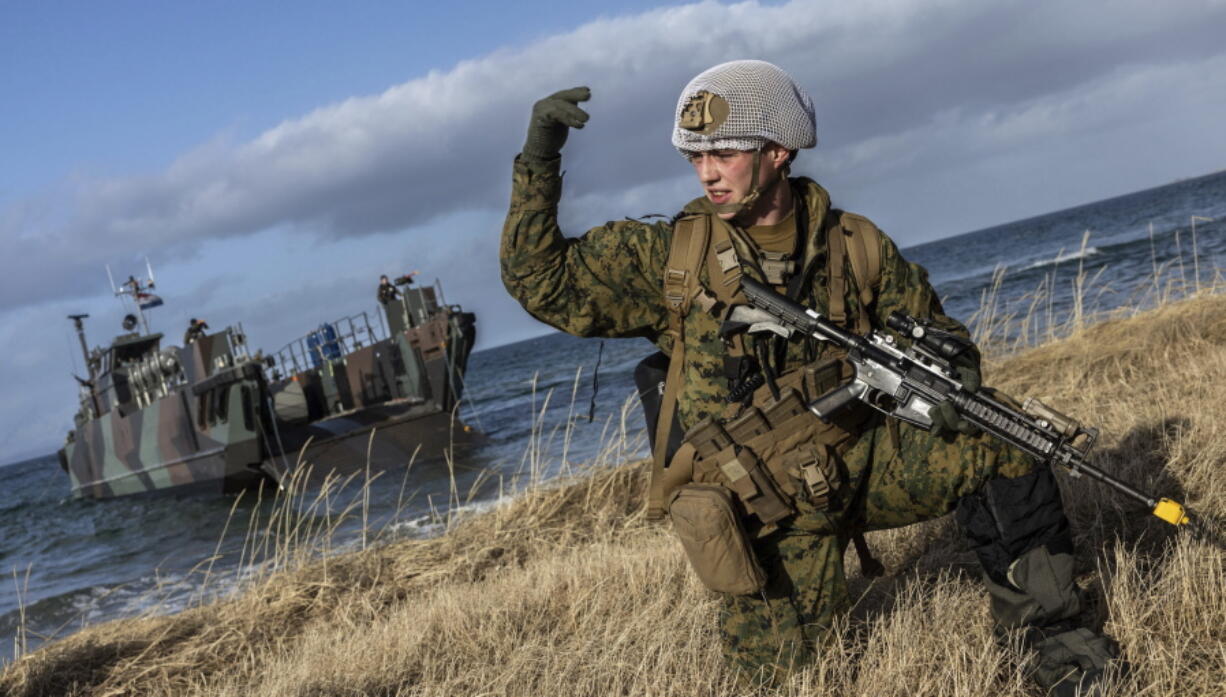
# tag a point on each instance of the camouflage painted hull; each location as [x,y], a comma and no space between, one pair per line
[210,417]
[205,433]
[155,448]
[379,437]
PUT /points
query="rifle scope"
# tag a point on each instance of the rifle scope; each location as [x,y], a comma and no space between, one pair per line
[941,343]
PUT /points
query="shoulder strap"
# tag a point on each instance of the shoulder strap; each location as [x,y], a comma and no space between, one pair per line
[856,238]
[864,248]
[836,281]
[685,256]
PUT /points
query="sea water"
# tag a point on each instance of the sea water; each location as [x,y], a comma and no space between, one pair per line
[545,406]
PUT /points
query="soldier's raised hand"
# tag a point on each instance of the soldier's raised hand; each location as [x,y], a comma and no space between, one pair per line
[552,119]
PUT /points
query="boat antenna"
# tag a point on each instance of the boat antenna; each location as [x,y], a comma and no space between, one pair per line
[76,320]
[136,292]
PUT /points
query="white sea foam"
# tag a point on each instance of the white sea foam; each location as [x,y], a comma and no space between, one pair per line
[429,525]
[152,594]
[1063,256]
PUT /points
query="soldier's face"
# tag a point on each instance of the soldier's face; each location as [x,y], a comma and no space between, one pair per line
[726,175]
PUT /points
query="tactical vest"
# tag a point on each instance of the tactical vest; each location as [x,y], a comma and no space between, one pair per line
[770,449]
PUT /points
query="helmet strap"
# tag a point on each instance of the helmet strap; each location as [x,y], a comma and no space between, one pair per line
[756,191]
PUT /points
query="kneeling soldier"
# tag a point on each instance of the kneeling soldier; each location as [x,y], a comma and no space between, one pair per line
[792,490]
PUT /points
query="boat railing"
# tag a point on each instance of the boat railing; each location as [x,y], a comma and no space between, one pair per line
[329,342]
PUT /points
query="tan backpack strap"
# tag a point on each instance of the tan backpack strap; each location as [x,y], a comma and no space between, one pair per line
[681,286]
[724,278]
[836,279]
[856,238]
[723,264]
[864,250]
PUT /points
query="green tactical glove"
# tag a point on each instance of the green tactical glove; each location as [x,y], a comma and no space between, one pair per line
[552,119]
[967,369]
[945,418]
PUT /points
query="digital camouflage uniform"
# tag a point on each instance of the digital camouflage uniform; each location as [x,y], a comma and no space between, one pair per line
[609,283]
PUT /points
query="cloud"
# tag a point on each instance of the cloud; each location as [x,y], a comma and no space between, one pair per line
[934,118]
[966,169]
[884,74]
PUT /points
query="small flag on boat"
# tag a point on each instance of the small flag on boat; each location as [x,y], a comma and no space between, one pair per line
[147,300]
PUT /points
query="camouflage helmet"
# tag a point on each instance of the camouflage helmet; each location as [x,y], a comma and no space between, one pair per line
[743,105]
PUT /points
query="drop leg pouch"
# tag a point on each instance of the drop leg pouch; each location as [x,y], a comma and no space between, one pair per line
[706,520]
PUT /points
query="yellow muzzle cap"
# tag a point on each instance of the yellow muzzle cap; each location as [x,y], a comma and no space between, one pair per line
[1171,511]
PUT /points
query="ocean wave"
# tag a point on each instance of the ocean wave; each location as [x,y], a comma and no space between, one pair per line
[1063,256]
[149,594]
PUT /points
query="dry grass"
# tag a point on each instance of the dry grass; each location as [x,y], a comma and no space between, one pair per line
[567,590]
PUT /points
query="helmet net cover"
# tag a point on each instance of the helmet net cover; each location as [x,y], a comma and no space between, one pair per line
[765,105]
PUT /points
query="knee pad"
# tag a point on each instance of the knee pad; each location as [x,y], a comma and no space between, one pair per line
[1006,518]
[1040,591]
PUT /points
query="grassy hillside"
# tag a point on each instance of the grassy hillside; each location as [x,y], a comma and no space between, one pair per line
[567,590]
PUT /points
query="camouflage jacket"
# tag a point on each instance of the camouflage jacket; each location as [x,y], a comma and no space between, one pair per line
[609,282]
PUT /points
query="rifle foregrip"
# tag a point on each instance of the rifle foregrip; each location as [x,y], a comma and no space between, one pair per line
[833,401]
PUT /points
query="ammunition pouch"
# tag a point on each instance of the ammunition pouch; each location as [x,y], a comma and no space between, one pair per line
[769,452]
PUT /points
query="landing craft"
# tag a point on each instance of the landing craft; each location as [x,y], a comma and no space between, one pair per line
[154,418]
[400,373]
[210,415]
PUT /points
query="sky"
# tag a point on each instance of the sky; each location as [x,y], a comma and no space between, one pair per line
[272,159]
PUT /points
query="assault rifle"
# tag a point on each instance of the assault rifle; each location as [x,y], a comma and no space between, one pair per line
[909,384]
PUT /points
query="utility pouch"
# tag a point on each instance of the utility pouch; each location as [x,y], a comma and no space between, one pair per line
[746,475]
[708,438]
[750,423]
[709,526]
[771,453]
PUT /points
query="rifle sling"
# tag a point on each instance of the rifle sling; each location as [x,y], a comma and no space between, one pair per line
[681,285]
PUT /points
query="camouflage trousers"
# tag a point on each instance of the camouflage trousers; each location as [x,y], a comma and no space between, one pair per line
[905,475]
